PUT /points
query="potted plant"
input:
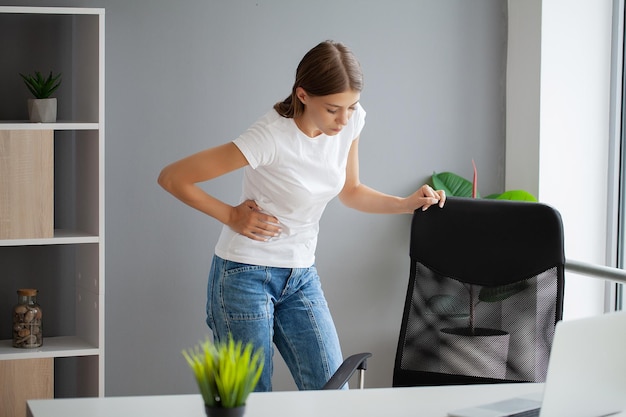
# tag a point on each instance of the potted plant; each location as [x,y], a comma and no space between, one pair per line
[457,186]
[226,373]
[476,339]
[42,108]
[487,347]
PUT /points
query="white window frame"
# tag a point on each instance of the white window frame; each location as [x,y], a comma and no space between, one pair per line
[562,126]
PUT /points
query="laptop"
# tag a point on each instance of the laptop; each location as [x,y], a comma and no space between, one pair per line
[586,374]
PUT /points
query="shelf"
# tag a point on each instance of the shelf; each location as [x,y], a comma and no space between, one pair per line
[53,347]
[59,125]
[61,237]
[67,266]
[50,10]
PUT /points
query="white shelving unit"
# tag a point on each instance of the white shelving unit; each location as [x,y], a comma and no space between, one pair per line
[68,268]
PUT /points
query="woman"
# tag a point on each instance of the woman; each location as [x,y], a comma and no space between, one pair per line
[263,286]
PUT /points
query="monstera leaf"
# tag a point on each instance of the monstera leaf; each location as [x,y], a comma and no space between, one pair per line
[452,184]
[457,186]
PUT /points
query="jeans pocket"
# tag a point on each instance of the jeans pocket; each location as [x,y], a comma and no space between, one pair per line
[242,291]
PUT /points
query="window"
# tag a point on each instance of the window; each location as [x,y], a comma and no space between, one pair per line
[619,87]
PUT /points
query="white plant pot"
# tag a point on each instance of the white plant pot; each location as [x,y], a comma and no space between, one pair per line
[42,110]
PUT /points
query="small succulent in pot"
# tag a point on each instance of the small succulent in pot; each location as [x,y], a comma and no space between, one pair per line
[226,372]
[43,108]
[41,87]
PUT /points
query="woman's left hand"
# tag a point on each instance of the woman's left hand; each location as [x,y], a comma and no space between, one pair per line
[426,196]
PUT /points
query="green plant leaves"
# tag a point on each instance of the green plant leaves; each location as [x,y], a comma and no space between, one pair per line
[501,292]
[518,195]
[227,372]
[202,360]
[41,87]
[448,306]
[457,186]
[452,184]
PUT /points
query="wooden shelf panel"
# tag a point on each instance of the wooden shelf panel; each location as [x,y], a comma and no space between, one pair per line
[53,347]
[59,125]
[61,237]
[51,10]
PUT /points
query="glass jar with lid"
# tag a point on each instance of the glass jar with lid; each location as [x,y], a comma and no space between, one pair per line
[27,319]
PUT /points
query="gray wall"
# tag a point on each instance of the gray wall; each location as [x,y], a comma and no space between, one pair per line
[183,76]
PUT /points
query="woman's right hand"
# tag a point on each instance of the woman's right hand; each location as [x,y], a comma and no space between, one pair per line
[249,220]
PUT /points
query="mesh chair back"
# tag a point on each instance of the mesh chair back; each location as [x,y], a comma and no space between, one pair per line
[485,292]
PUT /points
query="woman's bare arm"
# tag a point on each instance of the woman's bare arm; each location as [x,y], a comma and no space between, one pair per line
[363,198]
[181,178]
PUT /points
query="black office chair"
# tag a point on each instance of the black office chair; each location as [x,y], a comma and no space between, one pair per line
[485,292]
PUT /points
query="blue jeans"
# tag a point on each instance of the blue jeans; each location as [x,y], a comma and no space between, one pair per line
[281,306]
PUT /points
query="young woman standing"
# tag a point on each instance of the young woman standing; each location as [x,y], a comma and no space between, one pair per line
[263,285]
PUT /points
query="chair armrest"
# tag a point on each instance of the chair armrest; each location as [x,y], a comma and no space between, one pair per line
[347,369]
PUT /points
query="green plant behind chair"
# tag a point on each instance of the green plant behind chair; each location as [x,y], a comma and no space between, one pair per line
[448,305]
[457,186]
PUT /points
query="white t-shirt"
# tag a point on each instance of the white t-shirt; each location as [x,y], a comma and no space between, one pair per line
[292,177]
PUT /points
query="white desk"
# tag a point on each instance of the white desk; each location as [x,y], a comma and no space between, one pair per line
[375,402]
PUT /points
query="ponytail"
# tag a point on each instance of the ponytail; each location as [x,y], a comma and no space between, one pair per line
[328,68]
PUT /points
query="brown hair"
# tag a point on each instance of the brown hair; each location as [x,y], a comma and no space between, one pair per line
[328,68]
